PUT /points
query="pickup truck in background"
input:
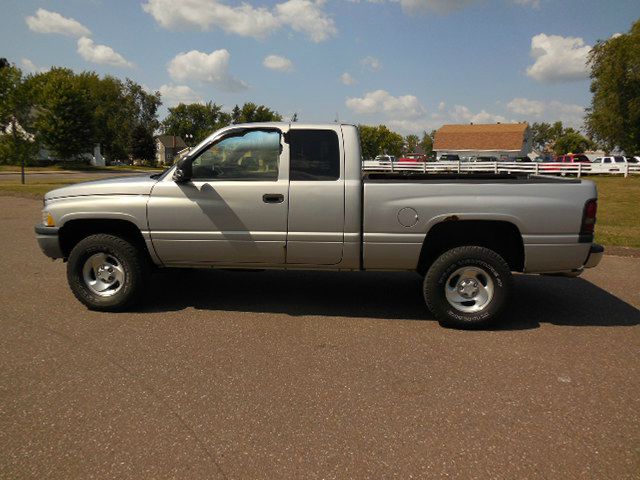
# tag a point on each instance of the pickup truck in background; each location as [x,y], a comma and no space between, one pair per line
[293,196]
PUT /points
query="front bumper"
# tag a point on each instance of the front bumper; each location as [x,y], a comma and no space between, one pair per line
[596,253]
[48,241]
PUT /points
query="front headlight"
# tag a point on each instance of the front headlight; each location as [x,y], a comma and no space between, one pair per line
[47,219]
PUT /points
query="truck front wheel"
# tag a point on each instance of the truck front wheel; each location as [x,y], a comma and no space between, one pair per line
[106,272]
[467,287]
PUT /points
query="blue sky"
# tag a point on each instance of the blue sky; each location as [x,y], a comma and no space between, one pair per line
[411,64]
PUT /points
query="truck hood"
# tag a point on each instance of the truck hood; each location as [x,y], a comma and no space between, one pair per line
[136,185]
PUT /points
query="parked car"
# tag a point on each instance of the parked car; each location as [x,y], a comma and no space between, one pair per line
[485,159]
[413,158]
[524,159]
[613,163]
[572,158]
[448,157]
[304,204]
[385,158]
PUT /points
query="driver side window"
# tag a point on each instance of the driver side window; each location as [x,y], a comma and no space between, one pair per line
[253,155]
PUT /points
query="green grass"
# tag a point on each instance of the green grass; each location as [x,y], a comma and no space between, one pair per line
[34,189]
[73,167]
[618,206]
[618,221]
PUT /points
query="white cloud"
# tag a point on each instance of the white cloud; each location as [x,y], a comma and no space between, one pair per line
[279,63]
[436,6]
[558,59]
[305,16]
[524,106]
[441,106]
[381,101]
[101,54]
[347,79]
[45,21]
[406,127]
[534,110]
[172,95]
[463,114]
[207,68]
[30,67]
[371,63]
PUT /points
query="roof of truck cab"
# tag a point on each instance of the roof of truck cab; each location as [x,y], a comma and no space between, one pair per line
[290,124]
[488,137]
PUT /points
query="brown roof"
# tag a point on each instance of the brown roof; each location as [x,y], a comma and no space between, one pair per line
[167,141]
[496,136]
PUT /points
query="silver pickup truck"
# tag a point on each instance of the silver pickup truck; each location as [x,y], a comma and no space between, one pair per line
[293,196]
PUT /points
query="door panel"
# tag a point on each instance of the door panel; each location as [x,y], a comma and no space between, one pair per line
[316,197]
[218,222]
[316,222]
[234,211]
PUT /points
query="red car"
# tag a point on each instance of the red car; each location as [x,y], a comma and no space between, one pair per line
[413,157]
[572,158]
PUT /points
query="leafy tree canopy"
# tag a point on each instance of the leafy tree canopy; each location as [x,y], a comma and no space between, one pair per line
[379,140]
[199,120]
[614,116]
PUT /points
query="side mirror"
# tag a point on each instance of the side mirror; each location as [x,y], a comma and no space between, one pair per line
[183,172]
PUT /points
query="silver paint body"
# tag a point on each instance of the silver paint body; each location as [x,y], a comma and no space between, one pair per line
[324,224]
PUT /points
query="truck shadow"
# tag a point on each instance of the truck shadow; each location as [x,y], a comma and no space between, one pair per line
[389,296]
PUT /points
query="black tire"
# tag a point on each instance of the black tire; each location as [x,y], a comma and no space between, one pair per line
[490,274]
[130,261]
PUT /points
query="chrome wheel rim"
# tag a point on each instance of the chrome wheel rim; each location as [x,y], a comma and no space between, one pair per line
[103,274]
[469,289]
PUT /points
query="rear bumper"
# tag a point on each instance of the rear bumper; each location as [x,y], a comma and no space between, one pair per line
[595,255]
[48,241]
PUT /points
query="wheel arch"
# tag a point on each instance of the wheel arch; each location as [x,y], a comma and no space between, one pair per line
[75,230]
[503,237]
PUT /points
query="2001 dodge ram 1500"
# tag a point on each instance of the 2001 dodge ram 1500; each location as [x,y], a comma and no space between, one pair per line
[293,196]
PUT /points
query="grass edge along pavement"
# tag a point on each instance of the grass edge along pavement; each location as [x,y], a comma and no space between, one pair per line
[618,221]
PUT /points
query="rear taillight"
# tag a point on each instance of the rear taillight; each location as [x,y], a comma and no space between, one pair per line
[589,216]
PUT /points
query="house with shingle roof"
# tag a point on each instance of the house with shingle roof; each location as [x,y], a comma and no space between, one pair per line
[501,140]
[167,148]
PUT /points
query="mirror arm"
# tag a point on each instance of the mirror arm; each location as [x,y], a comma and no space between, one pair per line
[183,172]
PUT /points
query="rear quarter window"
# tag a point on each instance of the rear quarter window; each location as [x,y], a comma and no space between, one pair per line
[315,155]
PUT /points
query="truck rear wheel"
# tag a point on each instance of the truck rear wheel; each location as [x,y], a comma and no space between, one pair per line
[106,272]
[467,287]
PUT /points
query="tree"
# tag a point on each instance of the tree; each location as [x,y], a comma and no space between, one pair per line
[614,116]
[64,112]
[196,119]
[235,114]
[571,141]
[250,112]
[411,142]
[113,113]
[545,134]
[17,145]
[379,140]
[427,142]
[142,145]
[143,105]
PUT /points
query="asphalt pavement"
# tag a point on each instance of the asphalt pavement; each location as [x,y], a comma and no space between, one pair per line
[312,375]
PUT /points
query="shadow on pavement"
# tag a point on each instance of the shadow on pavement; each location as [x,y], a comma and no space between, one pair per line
[392,296]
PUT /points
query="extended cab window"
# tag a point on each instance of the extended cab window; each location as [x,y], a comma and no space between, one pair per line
[315,155]
[252,155]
